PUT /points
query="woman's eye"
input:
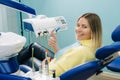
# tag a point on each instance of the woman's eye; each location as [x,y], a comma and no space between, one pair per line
[84,26]
[78,25]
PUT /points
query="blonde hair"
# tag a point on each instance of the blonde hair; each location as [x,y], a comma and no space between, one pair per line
[96,28]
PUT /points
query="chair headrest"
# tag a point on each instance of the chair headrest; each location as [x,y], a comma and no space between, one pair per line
[116,34]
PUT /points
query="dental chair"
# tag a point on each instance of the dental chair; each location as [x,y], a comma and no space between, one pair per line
[10,62]
[104,58]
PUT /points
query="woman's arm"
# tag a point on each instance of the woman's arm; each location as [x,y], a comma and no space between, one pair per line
[52,42]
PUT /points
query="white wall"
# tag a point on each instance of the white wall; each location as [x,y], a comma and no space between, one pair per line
[3,19]
[8,20]
[108,10]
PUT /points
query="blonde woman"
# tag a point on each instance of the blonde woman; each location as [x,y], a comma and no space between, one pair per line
[89,37]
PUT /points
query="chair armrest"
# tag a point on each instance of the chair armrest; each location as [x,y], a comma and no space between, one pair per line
[25,68]
[114,65]
[81,72]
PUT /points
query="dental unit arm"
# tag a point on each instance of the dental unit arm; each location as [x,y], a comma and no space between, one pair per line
[18,6]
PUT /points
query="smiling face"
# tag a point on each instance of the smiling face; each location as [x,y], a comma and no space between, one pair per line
[83,30]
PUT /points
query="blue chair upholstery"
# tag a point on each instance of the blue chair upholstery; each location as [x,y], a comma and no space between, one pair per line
[115,64]
[105,58]
[81,72]
[115,34]
[25,68]
[12,77]
[108,50]
[10,66]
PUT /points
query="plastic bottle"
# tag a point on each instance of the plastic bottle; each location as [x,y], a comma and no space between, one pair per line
[46,63]
[40,68]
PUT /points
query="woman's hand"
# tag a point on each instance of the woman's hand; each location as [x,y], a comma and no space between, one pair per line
[52,42]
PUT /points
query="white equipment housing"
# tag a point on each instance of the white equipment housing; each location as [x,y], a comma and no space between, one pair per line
[43,24]
[10,44]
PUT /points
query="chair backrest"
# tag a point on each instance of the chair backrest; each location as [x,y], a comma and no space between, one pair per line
[108,50]
[116,34]
[115,64]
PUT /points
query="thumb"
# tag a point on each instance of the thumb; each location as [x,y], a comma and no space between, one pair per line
[52,34]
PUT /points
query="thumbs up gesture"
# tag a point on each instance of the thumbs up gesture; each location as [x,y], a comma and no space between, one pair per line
[52,42]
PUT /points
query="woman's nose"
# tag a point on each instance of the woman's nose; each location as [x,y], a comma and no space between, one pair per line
[79,29]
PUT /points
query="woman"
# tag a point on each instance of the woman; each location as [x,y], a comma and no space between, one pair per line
[89,38]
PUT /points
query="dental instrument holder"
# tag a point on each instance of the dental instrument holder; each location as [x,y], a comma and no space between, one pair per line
[42,25]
